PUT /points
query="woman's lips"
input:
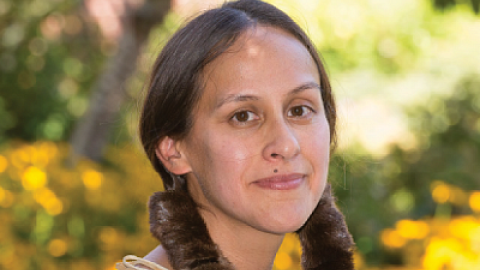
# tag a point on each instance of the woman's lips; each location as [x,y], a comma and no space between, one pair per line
[281,182]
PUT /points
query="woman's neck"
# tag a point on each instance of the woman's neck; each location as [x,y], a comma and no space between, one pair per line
[244,246]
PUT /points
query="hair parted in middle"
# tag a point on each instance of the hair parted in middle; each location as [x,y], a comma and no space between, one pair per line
[176,82]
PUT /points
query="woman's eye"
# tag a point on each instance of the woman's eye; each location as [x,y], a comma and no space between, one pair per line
[299,111]
[244,116]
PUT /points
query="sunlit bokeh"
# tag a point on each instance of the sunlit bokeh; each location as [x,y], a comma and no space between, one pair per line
[446,244]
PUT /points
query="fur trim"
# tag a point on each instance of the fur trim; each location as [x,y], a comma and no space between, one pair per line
[326,242]
[175,222]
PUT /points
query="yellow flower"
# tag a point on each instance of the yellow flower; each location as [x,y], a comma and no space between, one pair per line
[92,179]
[49,201]
[33,178]
[464,228]
[442,253]
[54,207]
[392,239]
[411,229]
[289,243]
[57,247]
[440,192]
[358,260]
[282,260]
[474,201]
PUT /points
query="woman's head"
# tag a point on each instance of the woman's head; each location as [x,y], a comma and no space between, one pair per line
[178,77]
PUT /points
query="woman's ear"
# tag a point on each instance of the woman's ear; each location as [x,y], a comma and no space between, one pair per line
[171,157]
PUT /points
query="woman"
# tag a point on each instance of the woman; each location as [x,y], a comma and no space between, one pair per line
[239,121]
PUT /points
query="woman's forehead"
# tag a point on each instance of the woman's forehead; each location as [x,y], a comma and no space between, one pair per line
[256,59]
[258,39]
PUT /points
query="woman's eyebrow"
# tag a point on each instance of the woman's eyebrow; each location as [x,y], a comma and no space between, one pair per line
[243,97]
[235,98]
[303,87]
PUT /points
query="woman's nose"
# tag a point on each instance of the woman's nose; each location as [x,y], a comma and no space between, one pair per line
[282,142]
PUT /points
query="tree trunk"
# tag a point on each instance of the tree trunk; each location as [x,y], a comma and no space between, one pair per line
[91,134]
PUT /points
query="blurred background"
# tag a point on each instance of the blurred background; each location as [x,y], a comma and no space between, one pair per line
[74,182]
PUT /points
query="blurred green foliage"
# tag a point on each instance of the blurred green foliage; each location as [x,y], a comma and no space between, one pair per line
[50,55]
[375,192]
[446,4]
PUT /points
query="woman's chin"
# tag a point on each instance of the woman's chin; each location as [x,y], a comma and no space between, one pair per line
[284,225]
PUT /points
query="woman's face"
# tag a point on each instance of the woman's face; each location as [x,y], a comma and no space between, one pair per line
[258,151]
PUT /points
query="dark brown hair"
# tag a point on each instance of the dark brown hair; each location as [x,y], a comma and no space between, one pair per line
[176,79]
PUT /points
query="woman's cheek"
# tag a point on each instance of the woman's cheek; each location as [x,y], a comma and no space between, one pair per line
[235,149]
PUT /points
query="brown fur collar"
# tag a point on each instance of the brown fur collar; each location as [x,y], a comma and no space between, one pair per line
[175,222]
